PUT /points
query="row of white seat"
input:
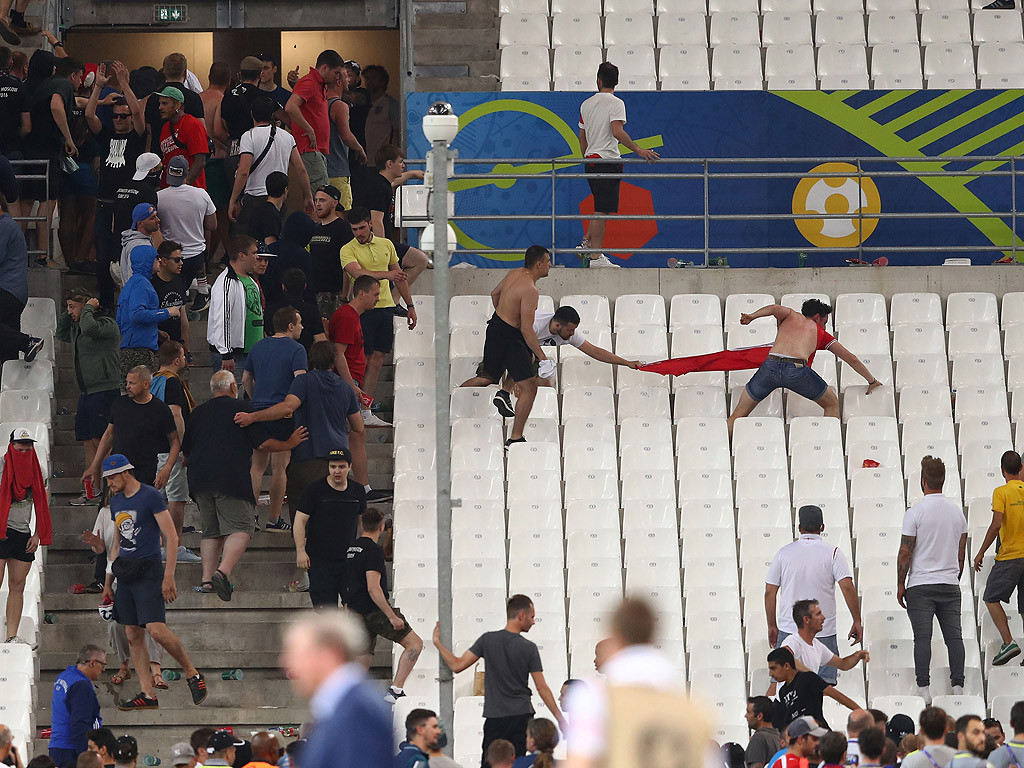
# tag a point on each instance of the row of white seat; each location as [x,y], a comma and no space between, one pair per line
[736,6]
[882,28]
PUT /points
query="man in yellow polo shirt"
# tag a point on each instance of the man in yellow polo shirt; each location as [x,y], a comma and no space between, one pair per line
[1007,573]
[375,256]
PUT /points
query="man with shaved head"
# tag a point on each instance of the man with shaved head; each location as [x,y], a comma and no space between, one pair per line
[266,750]
[858,720]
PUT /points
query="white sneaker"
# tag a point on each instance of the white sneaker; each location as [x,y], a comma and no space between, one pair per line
[371,419]
[602,262]
[958,690]
[186,555]
[925,693]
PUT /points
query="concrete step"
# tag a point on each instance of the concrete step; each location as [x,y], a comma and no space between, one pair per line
[68,483]
[259,571]
[74,609]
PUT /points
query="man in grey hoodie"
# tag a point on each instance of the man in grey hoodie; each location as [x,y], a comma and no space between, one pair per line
[145,231]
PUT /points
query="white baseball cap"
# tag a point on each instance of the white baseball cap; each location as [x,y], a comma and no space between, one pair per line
[22,435]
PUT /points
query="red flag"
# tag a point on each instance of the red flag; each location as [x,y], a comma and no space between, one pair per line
[729,360]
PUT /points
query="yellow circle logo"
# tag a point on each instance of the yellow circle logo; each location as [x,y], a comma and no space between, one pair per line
[836,195]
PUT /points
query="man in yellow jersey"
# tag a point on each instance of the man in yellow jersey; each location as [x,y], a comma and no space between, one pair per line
[1007,573]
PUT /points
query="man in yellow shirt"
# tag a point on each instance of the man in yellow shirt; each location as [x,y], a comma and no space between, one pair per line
[1007,573]
[375,256]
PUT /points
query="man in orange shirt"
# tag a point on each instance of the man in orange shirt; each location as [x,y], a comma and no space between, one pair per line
[266,750]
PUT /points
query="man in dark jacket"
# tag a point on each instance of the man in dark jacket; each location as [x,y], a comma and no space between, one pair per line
[75,710]
[421,732]
[291,251]
[94,340]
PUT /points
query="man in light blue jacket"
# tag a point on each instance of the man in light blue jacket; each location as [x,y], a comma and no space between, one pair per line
[139,313]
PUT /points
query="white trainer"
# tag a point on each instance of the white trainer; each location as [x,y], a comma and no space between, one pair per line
[371,419]
[602,262]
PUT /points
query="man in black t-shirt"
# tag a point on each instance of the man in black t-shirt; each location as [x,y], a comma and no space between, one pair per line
[265,223]
[118,149]
[11,106]
[236,111]
[366,593]
[140,188]
[170,289]
[325,250]
[174,68]
[325,524]
[291,293]
[802,693]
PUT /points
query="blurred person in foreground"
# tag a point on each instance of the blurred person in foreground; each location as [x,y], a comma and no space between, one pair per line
[641,691]
[351,724]
[1011,753]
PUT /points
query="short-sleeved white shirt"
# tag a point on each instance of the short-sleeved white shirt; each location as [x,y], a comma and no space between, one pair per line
[253,142]
[542,327]
[813,656]
[182,211]
[807,569]
[596,116]
[937,523]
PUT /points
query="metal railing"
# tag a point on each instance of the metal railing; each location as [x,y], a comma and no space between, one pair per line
[34,176]
[711,170]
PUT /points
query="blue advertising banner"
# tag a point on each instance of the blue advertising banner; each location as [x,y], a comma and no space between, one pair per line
[794,124]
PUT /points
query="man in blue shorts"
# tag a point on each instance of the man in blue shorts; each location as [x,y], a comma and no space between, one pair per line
[140,516]
[788,366]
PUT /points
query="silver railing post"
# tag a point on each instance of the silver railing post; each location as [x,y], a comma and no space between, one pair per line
[707,215]
[1013,207]
[554,250]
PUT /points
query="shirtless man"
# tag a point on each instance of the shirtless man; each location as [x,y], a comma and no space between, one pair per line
[800,335]
[511,343]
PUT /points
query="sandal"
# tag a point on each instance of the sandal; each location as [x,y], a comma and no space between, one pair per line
[205,588]
[119,677]
[159,682]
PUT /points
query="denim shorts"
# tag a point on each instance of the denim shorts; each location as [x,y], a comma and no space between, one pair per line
[796,377]
[177,483]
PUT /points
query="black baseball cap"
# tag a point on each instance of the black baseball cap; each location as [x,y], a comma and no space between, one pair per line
[269,57]
[126,749]
[811,518]
[332,191]
[221,740]
[339,454]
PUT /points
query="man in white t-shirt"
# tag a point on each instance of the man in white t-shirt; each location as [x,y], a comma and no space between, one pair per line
[187,214]
[263,149]
[809,569]
[810,653]
[928,571]
[602,118]
[555,330]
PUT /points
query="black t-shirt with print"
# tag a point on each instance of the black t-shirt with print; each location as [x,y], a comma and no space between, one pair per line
[126,196]
[803,696]
[364,555]
[325,250]
[171,294]
[118,153]
[12,104]
[236,109]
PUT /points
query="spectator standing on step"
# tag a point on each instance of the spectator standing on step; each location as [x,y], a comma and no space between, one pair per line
[218,456]
[74,708]
[764,741]
[234,303]
[272,365]
[512,661]
[307,110]
[325,250]
[801,693]
[141,427]
[809,569]
[1011,753]
[139,313]
[928,571]
[1007,574]
[367,254]
[269,81]
[14,290]
[365,586]
[346,331]
[188,216]
[384,118]
[171,290]
[326,524]
[182,135]
[293,289]
[602,121]
[933,751]
[342,142]
[174,70]
[141,188]
[236,111]
[810,652]
[266,223]
[140,516]
[145,230]
[94,339]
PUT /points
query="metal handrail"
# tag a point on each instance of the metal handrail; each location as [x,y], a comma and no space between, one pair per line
[45,178]
[558,168]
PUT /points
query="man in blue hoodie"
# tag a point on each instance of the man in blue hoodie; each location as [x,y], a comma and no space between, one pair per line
[139,313]
[75,710]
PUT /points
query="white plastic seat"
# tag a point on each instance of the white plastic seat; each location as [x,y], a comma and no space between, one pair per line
[523,6]
[921,402]
[635,61]
[575,28]
[19,375]
[934,427]
[860,429]
[782,60]
[591,514]
[786,28]
[467,342]
[914,308]
[594,430]
[466,403]
[914,451]
[981,369]
[736,61]
[577,60]
[1012,312]
[705,484]
[40,314]
[735,29]
[516,29]
[639,309]
[591,484]
[956,706]
[484,432]
[918,339]
[592,309]
[732,6]
[971,308]
[598,335]
[878,483]
[753,335]
[943,5]
[972,338]
[838,6]
[647,515]
[574,83]
[922,370]
[737,304]
[860,309]
[518,61]
[846,28]
[1000,58]
[678,62]
[645,431]
[843,82]
[669,7]
[483,485]
[647,457]
[529,457]
[754,513]
[960,81]
[761,484]
[584,371]
[628,29]
[699,401]
[945,27]
[1010,80]
[983,454]
[629,6]
[980,402]
[998,27]
[587,403]
[593,572]
[792,83]
[872,514]
[895,60]
[892,26]
[857,402]
[643,402]
[897,82]
[786,6]
[842,60]
[880,365]
[641,341]
[25,405]
[979,483]
[885,452]
[683,29]
[865,339]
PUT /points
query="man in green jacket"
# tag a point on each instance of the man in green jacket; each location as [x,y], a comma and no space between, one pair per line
[94,337]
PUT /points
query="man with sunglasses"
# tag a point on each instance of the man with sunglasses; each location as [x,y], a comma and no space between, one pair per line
[118,149]
[171,288]
[75,709]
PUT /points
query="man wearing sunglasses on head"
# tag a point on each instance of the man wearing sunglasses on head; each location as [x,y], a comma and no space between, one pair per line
[119,149]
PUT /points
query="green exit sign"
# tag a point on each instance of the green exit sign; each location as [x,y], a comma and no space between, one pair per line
[170,13]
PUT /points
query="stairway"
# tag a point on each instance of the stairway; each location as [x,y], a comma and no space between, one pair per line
[244,633]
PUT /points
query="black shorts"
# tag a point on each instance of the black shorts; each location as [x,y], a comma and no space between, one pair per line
[281,429]
[505,350]
[401,249]
[326,580]
[37,189]
[8,181]
[94,414]
[1005,577]
[605,191]
[191,267]
[379,625]
[141,602]
[378,330]
[13,547]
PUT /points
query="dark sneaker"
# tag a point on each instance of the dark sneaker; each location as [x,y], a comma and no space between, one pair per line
[222,585]
[393,695]
[200,303]
[142,701]
[400,311]
[84,501]
[96,588]
[279,525]
[379,496]
[510,441]
[8,34]
[503,402]
[22,27]
[35,346]
[197,685]
[1000,5]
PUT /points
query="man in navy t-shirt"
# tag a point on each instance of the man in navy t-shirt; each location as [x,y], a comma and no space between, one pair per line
[140,516]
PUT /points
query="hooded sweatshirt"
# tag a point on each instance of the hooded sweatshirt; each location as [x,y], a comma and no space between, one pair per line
[138,306]
[129,239]
[291,250]
[94,339]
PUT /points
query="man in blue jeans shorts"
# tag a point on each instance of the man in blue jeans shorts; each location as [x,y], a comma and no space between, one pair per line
[800,335]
